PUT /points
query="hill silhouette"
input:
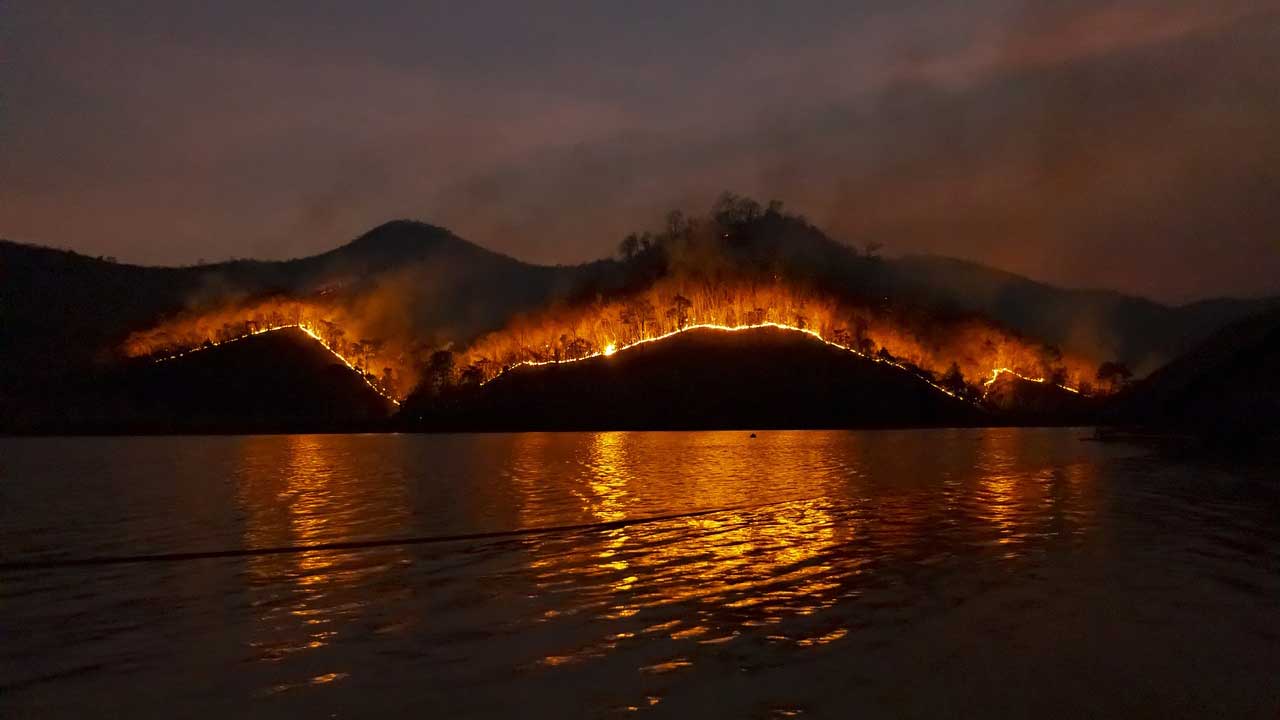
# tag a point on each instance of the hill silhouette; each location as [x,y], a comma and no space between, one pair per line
[1227,388]
[700,379]
[64,313]
[1027,402]
[275,382]
[64,316]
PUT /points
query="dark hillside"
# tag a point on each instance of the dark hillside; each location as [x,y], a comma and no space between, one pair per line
[1227,387]
[761,378]
[279,381]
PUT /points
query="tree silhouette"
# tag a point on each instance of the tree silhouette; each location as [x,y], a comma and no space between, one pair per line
[1058,376]
[640,315]
[440,370]
[1114,374]
[1050,357]
[629,246]
[578,348]
[471,376]
[680,306]
[953,380]
[734,211]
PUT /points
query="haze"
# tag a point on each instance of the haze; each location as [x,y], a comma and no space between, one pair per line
[1128,145]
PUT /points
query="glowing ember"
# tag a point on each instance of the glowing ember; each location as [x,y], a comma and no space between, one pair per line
[962,357]
[262,331]
[612,349]
[995,375]
[955,355]
[395,358]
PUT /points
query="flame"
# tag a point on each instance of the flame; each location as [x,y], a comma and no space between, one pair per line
[923,345]
[990,382]
[929,347]
[358,341]
[612,349]
[310,331]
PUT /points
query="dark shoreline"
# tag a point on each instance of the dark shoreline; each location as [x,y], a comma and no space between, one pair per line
[394,428]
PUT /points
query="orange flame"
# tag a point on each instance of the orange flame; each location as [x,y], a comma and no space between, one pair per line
[921,344]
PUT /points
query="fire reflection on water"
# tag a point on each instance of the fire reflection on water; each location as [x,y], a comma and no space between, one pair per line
[699,579]
[802,528]
[297,491]
[811,537]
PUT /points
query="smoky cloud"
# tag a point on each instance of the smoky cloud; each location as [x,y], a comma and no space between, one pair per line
[1107,143]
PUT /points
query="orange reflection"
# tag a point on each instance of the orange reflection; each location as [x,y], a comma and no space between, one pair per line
[298,490]
[712,574]
[805,521]
[1024,490]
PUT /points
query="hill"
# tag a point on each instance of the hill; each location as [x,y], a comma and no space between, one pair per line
[704,378]
[62,313]
[1228,387]
[274,382]
[64,316]
[1022,401]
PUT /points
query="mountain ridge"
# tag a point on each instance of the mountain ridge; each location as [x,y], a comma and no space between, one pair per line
[64,311]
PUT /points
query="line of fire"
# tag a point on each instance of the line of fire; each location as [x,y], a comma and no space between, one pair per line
[962,359]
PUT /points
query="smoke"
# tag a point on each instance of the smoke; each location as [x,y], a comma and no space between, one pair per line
[1109,143]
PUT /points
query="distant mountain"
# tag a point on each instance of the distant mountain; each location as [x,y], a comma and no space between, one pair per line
[1099,323]
[1227,387]
[61,312]
[701,379]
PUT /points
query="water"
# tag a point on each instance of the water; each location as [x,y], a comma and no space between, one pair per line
[965,573]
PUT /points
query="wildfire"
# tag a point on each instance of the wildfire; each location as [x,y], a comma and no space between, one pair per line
[945,354]
[613,348]
[189,334]
[304,328]
[962,358]
[995,375]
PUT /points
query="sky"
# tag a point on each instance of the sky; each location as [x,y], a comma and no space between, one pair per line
[1095,143]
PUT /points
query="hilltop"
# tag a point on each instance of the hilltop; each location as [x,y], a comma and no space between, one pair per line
[281,381]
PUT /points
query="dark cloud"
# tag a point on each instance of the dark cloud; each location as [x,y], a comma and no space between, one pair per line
[1098,143]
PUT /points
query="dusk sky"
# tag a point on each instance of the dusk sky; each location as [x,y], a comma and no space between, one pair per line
[1119,144]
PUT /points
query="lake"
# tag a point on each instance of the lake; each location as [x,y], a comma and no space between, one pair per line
[938,573]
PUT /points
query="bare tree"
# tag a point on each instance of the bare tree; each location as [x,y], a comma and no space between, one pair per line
[680,306]
[629,246]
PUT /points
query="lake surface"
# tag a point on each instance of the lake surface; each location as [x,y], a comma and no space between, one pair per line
[951,573]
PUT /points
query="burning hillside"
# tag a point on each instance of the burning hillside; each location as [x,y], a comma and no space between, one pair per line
[700,378]
[958,355]
[742,267]
[389,366]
